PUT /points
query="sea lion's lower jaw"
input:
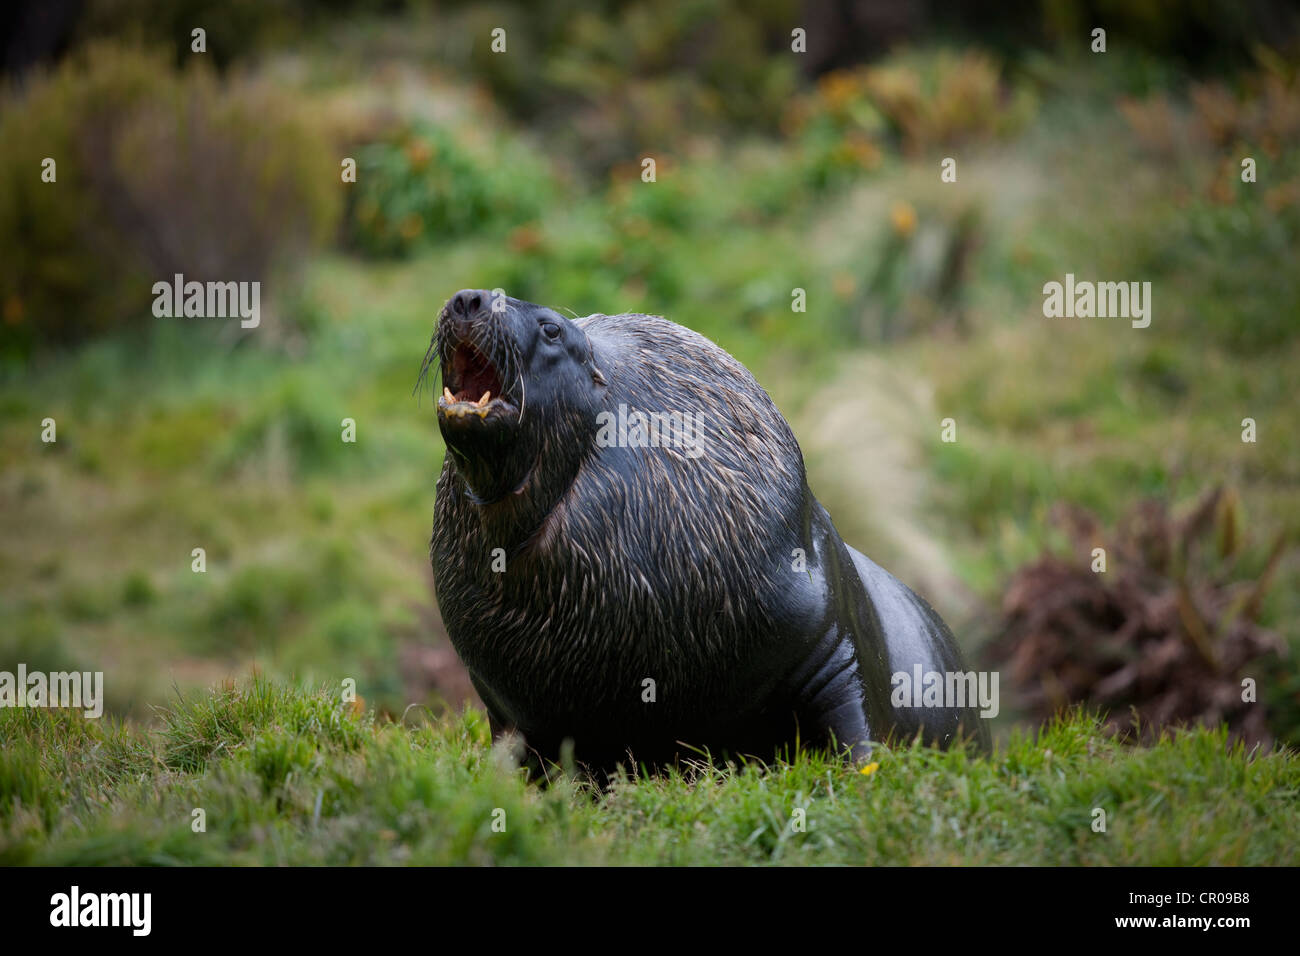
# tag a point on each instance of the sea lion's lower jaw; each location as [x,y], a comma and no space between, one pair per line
[487,408]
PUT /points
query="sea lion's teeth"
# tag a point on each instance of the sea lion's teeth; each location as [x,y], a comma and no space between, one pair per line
[486,396]
[446,393]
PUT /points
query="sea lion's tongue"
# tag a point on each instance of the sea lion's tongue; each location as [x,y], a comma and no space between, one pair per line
[474,375]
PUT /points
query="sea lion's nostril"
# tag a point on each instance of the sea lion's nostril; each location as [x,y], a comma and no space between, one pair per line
[467,303]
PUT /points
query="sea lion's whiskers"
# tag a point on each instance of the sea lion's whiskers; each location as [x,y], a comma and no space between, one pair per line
[514,361]
[424,367]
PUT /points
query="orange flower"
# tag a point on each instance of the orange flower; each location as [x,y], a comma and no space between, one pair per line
[419,153]
[864,152]
[526,238]
[837,88]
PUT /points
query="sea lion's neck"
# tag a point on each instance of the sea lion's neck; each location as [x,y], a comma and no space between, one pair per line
[525,517]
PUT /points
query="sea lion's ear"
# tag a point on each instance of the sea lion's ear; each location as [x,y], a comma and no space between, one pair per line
[597,375]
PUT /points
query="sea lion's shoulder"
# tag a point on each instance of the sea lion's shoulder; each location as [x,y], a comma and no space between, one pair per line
[654,345]
[633,327]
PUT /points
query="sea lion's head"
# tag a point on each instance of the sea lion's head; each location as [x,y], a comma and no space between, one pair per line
[520,390]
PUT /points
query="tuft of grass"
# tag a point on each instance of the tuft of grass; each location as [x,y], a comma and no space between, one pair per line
[194,731]
[286,775]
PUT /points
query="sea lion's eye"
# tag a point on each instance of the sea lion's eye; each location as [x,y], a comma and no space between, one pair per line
[551,330]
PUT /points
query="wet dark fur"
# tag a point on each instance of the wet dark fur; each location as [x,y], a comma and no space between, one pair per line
[631,563]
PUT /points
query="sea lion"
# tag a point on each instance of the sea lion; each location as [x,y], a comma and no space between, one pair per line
[627,555]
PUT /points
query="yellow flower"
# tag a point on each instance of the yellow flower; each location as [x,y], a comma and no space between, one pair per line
[903,218]
[870,768]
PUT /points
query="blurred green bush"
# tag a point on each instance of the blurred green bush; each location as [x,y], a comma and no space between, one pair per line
[426,184]
[159,171]
[293,430]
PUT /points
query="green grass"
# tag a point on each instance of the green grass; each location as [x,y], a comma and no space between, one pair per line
[290,775]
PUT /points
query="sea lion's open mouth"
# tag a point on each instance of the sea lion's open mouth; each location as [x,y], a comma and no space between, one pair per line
[471,385]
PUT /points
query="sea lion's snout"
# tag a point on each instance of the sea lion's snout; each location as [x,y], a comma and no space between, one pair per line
[483,391]
[467,302]
[469,306]
[478,352]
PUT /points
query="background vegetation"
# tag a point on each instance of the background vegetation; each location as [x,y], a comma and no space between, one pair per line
[776,171]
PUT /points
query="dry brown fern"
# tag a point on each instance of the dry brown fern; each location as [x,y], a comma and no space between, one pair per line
[1163,637]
